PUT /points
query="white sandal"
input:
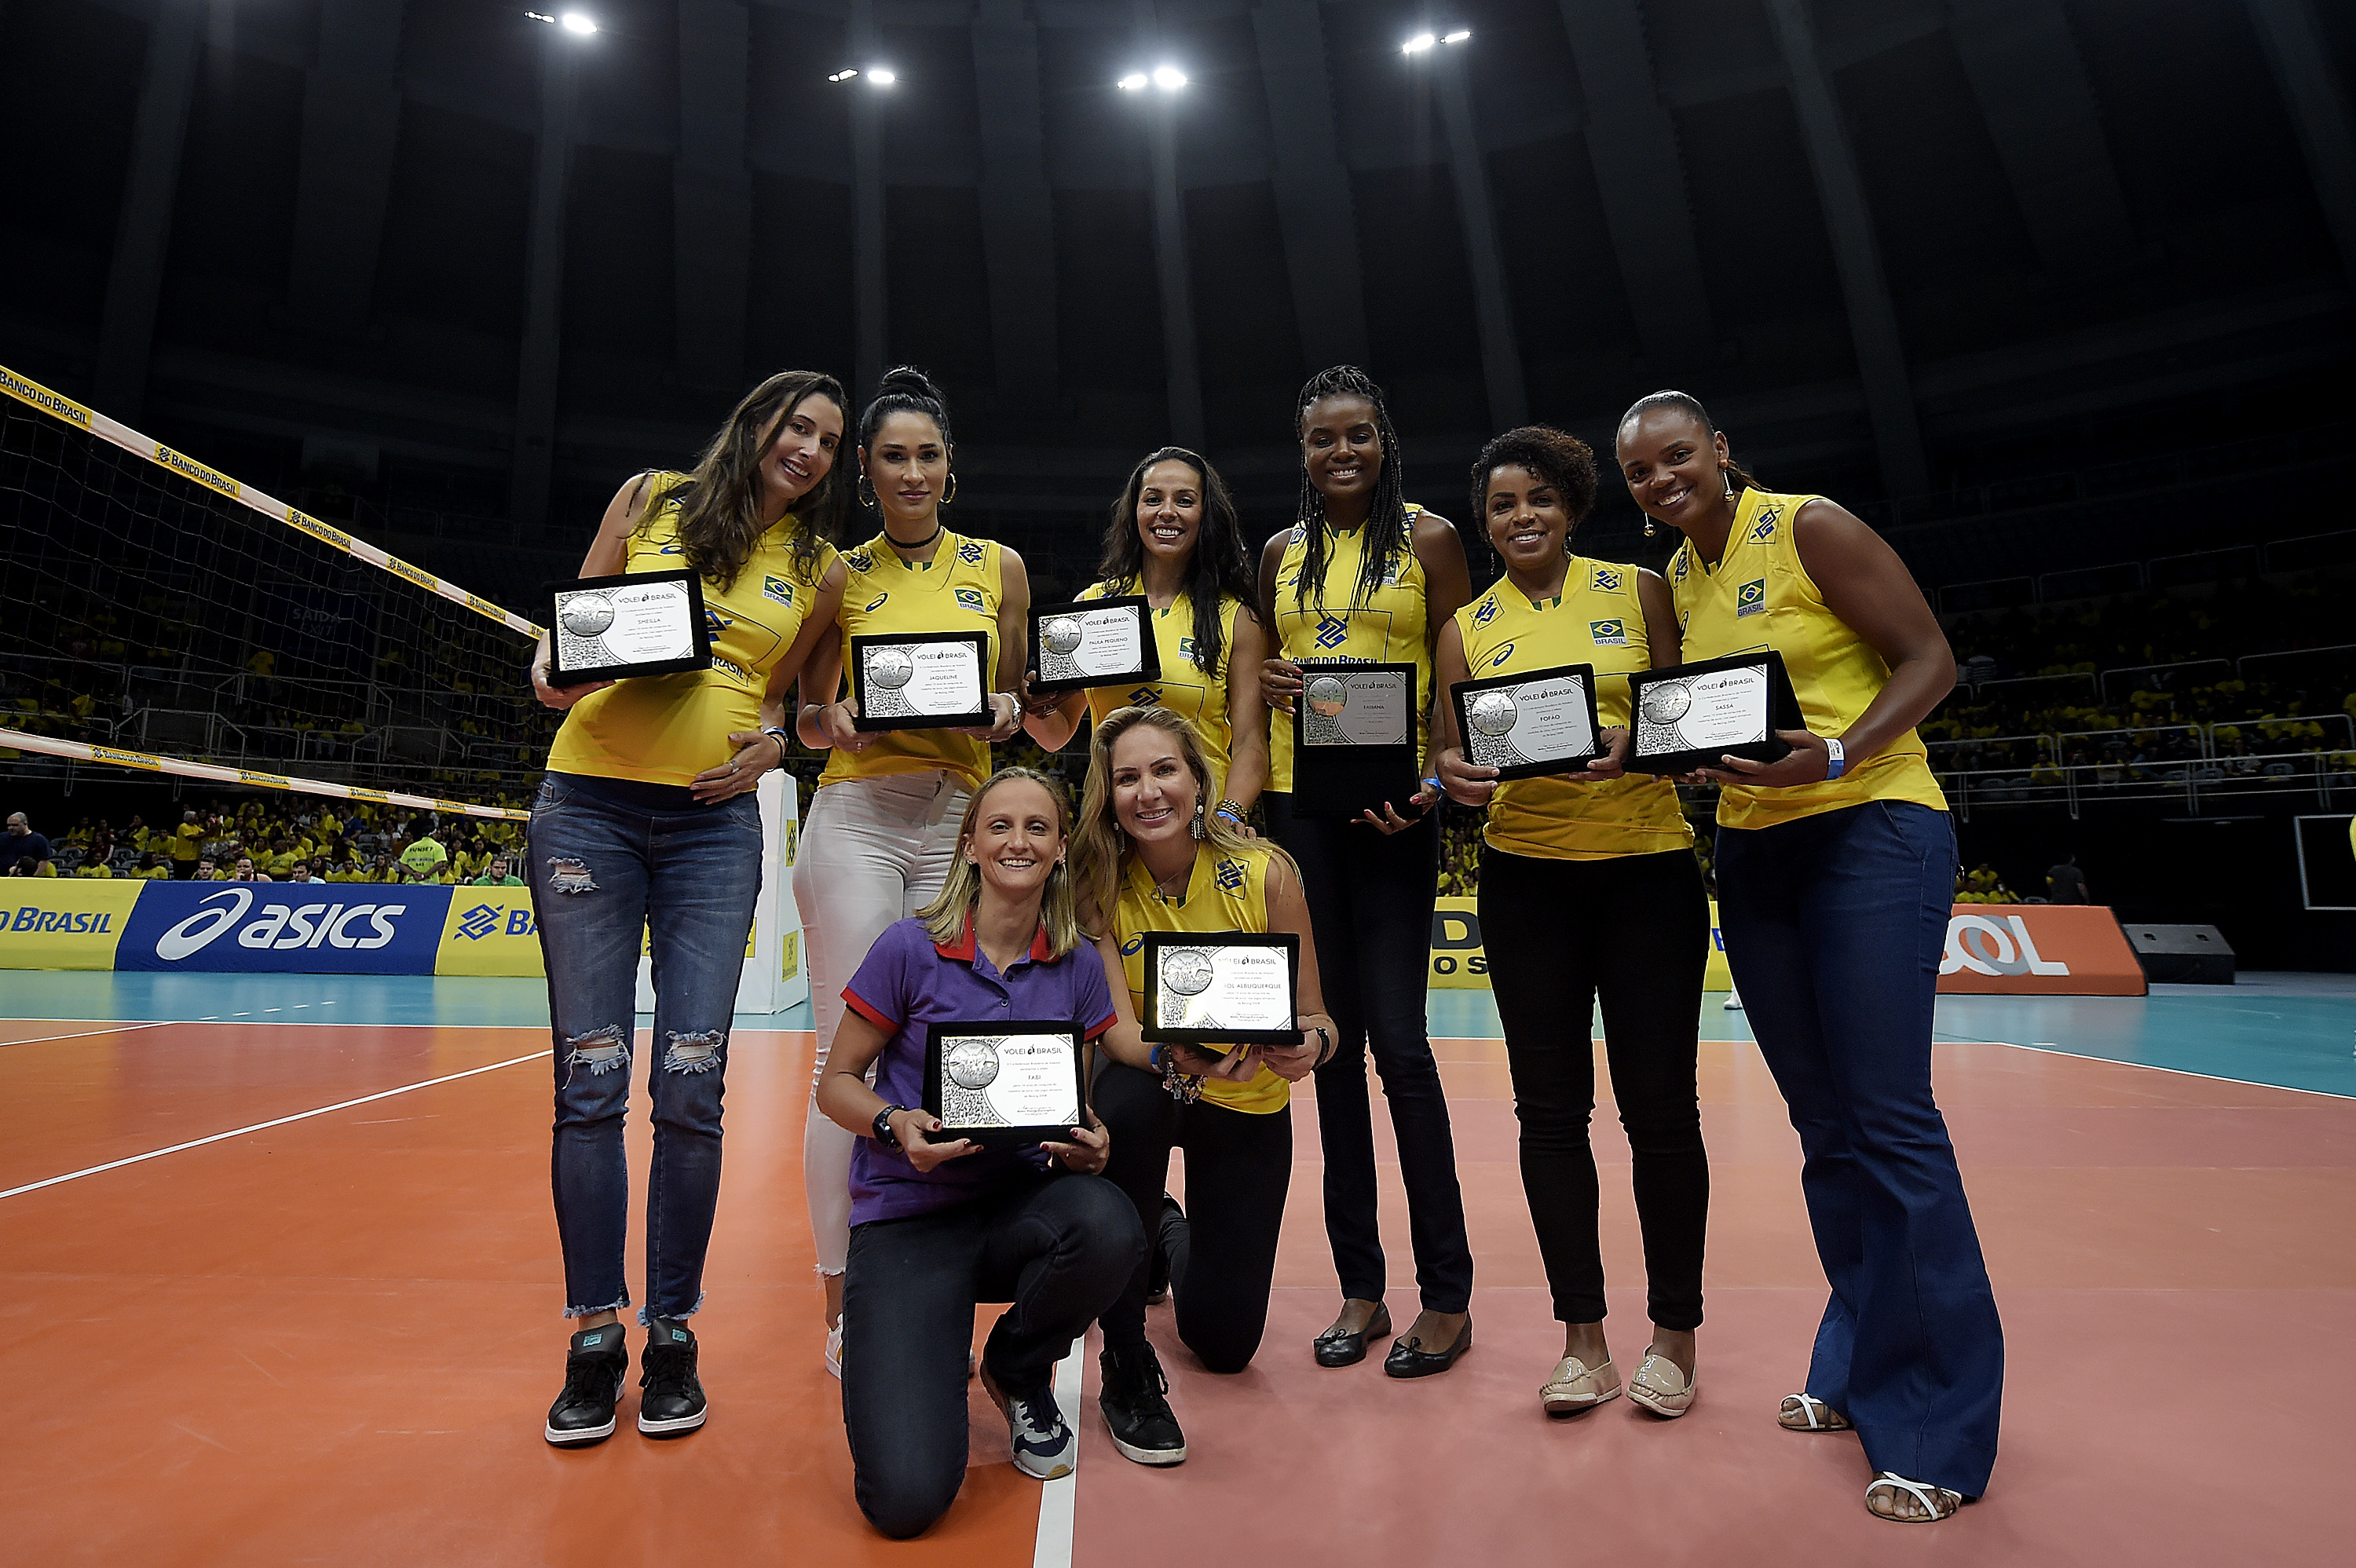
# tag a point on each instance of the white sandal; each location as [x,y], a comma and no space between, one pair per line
[1811,1414]
[1937,1502]
[1661,1387]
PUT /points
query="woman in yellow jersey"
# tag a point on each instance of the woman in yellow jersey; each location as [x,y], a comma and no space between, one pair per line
[1589,888]
[647,822]
[1366,578]
[882,826]
[1174,539]
[1836,866]
[1150,856]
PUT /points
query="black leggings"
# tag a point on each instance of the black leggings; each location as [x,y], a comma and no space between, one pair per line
[1635,928]
[1238,1167]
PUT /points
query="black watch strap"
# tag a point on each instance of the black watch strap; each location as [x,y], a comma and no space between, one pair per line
[882,1126]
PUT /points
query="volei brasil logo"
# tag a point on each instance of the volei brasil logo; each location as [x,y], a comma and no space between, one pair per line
[278,926]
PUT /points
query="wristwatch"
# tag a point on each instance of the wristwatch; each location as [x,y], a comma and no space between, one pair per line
[1839,760]
[882,1126]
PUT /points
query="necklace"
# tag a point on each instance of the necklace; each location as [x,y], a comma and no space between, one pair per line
[1181,876]
[896,544]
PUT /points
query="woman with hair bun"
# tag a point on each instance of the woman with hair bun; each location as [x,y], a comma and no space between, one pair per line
[1836,865]
[647,823]
[882,832]
[1589,888]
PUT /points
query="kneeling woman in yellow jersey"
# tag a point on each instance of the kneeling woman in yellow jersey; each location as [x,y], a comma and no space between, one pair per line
[1589,888]
[883,827]
[645,823]
[1174,539]
[1152,856]
[1834,868]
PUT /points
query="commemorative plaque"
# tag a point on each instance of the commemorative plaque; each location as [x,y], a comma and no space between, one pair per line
[1095,641]
[1690,715]
[1004,1083]
[1214,992]
[921,680]
[1353,740]
[610,628]
[1541,721]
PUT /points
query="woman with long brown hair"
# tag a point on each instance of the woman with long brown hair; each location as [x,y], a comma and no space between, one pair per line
[647,822]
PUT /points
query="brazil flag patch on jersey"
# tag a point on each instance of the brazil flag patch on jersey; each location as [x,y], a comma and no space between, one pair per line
[1751,597]
[1609,634]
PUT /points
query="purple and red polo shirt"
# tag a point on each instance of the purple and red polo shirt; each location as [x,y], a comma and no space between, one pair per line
[908,982]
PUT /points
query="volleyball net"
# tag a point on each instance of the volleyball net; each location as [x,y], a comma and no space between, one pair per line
[160,611]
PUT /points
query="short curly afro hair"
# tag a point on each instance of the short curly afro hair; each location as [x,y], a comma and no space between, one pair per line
[1558,458]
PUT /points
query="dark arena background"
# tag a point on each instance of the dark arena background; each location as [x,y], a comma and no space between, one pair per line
[330,326]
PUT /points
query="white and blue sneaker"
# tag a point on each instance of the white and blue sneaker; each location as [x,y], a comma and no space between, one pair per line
[1044,1444]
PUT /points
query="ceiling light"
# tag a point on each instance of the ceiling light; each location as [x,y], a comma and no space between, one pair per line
[578,23]
[882,76]
[1418,44]
[844,75]
[1169,77]
[1458,37]
[1135,81]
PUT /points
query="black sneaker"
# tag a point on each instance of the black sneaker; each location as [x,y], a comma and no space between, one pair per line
[673,1402]
[1137,1407]
[1157,1279]
[594,1371]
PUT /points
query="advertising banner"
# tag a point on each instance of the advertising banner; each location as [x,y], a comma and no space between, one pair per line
[489,931]
[1460,962]
[318,928]
[64,923]
[2039,950]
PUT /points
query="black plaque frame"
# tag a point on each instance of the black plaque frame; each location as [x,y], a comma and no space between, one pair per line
[1054,1132]
[1149,645]
[1341,782]
[1782,713]
[1464,691]
[980,717]
[701,629]
[1214,1041]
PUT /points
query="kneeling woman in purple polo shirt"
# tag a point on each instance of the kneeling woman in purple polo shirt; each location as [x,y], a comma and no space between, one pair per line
[935,1228]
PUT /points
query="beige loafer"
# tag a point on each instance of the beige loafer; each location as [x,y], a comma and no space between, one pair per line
[1576,1386]
[1660,1387]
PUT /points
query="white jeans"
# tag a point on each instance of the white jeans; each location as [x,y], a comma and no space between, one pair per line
[874,851]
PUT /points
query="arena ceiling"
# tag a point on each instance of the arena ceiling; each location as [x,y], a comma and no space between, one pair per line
[1876,234]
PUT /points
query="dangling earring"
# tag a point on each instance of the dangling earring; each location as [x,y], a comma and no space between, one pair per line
[1198,829]
[1727,479]
[866,493]
[1649,529]
[949,494]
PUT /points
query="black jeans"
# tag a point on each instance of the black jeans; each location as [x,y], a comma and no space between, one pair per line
[1636,929]
[1370,900]
[1060,1248]
[1238,1167]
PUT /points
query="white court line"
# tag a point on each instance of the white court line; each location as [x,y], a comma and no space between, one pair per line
[78,1034]
[1057,1498]
[2051,1048]
[265,1126]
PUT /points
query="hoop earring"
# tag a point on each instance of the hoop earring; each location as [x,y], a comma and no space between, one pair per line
[948,493]
[866,493]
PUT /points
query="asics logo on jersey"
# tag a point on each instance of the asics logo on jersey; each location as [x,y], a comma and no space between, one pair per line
[1607,579]
[1229,876]
[1497,660]
[875,604]
[1487,613]
[1332,631]
[1129,949]
[971,599]
[970,552]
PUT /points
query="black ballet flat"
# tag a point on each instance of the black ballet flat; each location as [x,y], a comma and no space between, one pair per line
[1348,1349]
[1413,1361]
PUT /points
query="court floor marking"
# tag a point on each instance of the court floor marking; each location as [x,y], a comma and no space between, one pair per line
[1059,1499]
[80,1033]
[2051,1048]
[265,1126]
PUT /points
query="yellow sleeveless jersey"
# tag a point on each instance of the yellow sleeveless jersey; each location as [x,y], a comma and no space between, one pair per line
[665,729]
[1183,687]
[883,595]
[1599,621]
[1390,627]
[1225,893]
[1759,596]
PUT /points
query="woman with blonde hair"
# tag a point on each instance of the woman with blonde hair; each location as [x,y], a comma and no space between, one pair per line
[1150,856]
[937,1228]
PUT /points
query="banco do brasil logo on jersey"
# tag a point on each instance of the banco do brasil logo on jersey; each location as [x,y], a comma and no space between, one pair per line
[1487,613]
[970,552]
[1607,579]
[1332,631]
[1229,876]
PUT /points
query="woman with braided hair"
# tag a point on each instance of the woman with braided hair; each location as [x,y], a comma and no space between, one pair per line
[1366,577]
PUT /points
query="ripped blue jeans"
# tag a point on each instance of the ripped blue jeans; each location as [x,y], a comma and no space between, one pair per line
[606,858]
